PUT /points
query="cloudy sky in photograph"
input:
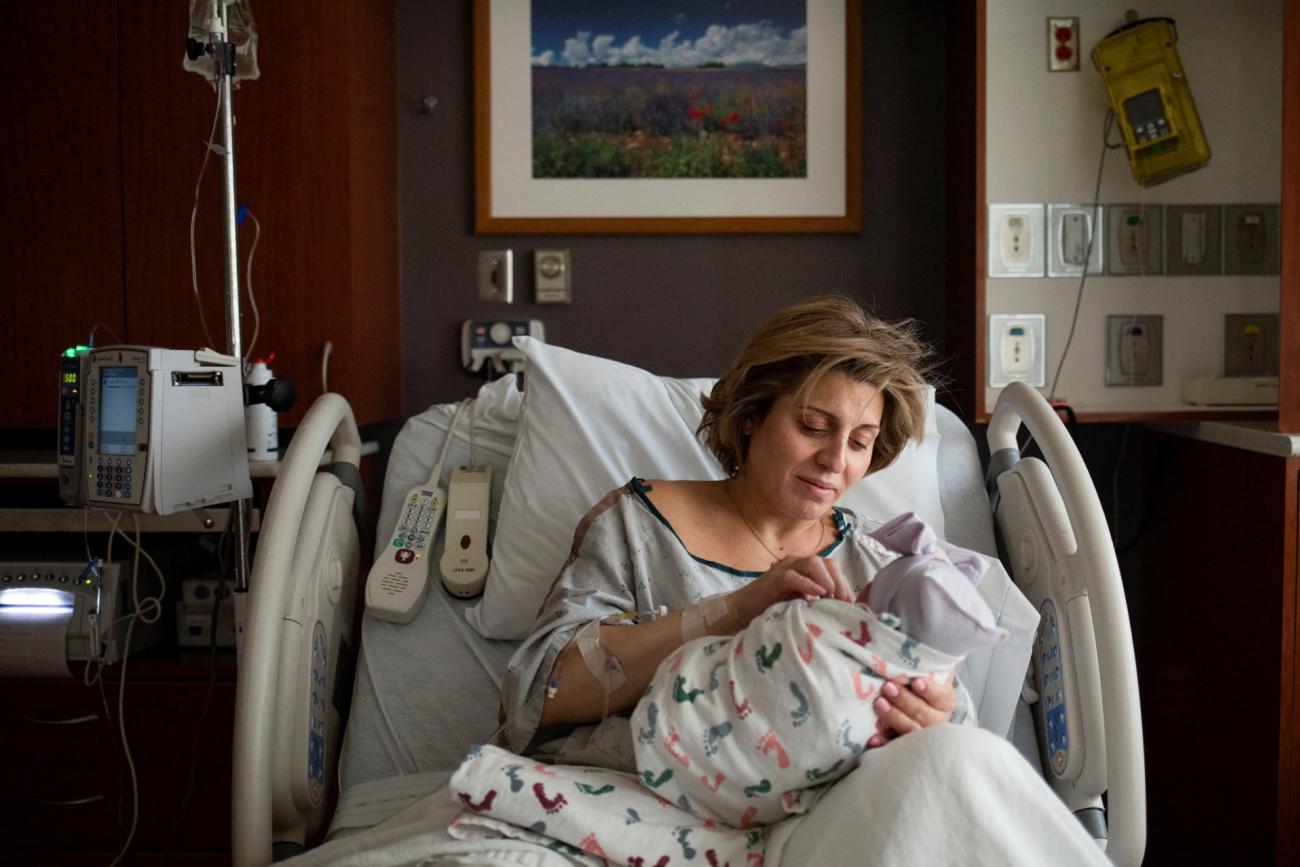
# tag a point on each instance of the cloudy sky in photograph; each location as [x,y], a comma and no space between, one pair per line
[731,32]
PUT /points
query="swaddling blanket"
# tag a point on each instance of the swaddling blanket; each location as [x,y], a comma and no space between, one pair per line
[589,814]
[747,729]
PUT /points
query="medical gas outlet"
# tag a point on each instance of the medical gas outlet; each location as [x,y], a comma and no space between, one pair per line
[1017,349]
[1134,350]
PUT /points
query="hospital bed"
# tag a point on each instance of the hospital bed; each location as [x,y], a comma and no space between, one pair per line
[426,692]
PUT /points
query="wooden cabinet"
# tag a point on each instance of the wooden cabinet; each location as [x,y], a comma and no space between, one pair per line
[1217,650]
[66,797]
[107,137]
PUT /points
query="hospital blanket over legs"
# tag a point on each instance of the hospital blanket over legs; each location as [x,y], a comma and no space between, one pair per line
[749,729]
[589,813]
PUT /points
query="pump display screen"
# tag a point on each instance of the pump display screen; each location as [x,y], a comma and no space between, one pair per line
[117,415]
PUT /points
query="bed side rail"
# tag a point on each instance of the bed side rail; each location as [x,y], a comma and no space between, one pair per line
[1069,541]
[327,424]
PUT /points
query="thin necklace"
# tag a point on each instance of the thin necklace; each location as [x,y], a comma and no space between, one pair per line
[821,525]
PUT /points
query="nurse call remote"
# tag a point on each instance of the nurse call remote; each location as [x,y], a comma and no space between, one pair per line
[464,558]
[399,580]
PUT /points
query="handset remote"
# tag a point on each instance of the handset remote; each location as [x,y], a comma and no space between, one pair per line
[464,558]
[399,580]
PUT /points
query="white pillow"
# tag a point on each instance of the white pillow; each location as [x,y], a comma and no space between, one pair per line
[589,424]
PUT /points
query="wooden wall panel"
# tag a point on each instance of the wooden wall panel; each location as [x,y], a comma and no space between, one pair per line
[61,209]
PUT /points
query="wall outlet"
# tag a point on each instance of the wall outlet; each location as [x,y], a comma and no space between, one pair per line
[1015,247]
[1062,44]
[1193,235]
[1070,240]
[1017,349]
[1250,344]
[1134,350]
[1250,239]
[496,280]
[1135,239]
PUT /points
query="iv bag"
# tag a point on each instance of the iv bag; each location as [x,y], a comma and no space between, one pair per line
[241,31]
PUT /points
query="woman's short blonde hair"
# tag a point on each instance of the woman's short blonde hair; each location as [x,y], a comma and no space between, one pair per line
[799,345]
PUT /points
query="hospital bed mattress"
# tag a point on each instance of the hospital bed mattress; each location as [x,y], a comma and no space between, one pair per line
[420,717]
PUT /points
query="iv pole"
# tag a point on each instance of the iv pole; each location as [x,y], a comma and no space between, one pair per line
[223,68]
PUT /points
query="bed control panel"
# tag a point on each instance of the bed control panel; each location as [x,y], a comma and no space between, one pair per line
[399,580]
[1051,689]
[465,558]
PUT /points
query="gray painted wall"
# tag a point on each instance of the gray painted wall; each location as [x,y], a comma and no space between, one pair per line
[675,305]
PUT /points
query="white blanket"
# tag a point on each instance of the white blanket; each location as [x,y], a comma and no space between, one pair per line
[949,795]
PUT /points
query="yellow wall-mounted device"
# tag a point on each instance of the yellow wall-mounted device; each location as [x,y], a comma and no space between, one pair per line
[1152,100]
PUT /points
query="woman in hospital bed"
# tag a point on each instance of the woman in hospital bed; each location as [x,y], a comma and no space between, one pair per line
[823,394]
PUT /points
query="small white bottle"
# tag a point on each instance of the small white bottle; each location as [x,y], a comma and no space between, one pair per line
[260,421]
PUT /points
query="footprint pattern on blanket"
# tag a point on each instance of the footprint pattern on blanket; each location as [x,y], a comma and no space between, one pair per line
[550,805]
[848,743]
[637,861]
[714,735]
[512,771]
[682,833]
[814,775]
[766,659]
[655,782]
[647,734]
[482,806]
[863,636]
[682,695]
[762,787]
[592,790]
[800,714]
[905,652]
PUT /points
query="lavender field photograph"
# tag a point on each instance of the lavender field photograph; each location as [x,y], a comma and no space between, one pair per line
[706,89]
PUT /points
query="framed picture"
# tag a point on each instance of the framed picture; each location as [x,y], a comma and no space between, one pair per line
[634,117]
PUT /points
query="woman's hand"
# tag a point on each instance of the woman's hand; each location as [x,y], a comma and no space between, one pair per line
[905,706]
[808,577]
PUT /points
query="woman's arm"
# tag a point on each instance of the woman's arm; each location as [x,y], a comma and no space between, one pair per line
[580,696]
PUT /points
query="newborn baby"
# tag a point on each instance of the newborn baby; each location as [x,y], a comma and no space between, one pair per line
[739,729]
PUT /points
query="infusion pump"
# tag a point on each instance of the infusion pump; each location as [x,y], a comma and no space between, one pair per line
[151,430]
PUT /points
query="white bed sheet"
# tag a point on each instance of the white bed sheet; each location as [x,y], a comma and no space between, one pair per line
[411,719]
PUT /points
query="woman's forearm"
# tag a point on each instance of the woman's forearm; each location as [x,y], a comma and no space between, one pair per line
[639,648]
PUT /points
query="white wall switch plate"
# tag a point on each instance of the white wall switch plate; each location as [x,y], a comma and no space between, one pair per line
[1017,349]
[551,277]
[1073,238]
[496,281]
[1015,236]
[1135,239]
[1193,236]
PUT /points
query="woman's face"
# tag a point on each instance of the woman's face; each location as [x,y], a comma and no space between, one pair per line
[803,456]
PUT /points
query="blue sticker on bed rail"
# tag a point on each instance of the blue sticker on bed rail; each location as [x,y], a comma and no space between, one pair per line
[1051,687]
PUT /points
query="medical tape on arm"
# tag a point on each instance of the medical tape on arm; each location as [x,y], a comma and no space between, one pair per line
[697,619]
[603,664]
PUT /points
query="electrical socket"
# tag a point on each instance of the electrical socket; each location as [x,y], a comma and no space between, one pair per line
[1134,349]
[1193,236]
[1017,349]
[1135,239]
[496,276]
[1250,239]
[1250,344]
[1062,44]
